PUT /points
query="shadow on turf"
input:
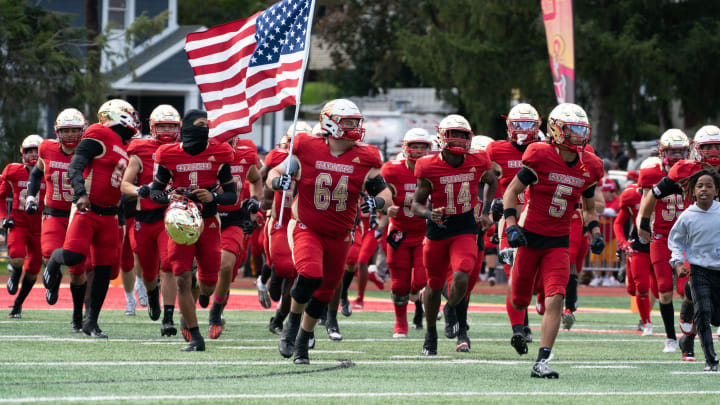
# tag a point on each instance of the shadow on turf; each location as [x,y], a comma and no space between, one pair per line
[344,363]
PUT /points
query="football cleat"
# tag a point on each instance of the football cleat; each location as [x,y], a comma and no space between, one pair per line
[528,334]
[215,330]
[215,320]
[14,280]
[130,305]
[345,307]
[141,292]
[568,319]
[195,346]
[168,329]
[359,303]
[687,346]
[451,323]
[185,330]
[640,325]
[671,346]
[687,327]
[430,345]
[711,367]
[275,326]
[154,310]
[539,307]
[375,278]
[15,312]
[519,343]
[301,348]
[333,330]
[418,317]
[51,280]
[286,346]
[76,326]
[541,369]
[263,295]
[91,329]
[463,341]
[647,329]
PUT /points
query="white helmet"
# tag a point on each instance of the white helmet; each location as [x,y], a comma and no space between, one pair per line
[70,118]
[416,135]
[523,124]
[30,142]
[317,129]
[118,112]
[706,136]
[448,129]
[672,142]
[165,114]
[481,142]
[650,162]
[183,222]
[332,116]
[300,126]
[569,127]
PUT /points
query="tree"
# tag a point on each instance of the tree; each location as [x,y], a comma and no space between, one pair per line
[215,12]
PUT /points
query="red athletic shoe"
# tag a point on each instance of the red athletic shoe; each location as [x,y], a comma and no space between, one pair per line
[375,278]
[359,303]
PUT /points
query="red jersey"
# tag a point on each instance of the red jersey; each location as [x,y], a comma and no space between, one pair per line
[274,158]
[455,188]
[510,160]
[144,150]
[630,199]
[196,171]
[56,177]
[245,156]
[328,187]
[557,188]
[402,182]
[104,173]
[668,208]
[15,180]
[681,171]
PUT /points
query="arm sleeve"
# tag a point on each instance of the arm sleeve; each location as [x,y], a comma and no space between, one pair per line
[619,223]
[665,188]
[229,194]
[35,181]
[85,152]
[677,240]
[589,192]
[527,176]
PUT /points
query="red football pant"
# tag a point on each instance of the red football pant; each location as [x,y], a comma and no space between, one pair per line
[24,242]
[407,269]
[52,237]
[457,253]
[235,241]
[549,267]
[579,243]
[279,249]
[206,251]
[367,247]
[319,256]
[88,233]
[127,260]
[660,255]
[150,242]
[266,241]
[473,276]
[643,279]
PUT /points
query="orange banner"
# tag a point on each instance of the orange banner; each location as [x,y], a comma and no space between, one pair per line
[558,17]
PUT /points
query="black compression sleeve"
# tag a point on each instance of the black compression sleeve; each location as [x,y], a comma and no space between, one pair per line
[36,176]
[229,194]
[665,188]
[163,175]
[589,192]
[84,153]
[527,176]
[375,185]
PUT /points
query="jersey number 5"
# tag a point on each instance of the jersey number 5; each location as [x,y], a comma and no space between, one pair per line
[558,206]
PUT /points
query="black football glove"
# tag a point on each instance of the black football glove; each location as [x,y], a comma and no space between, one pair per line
[247,226]
[515,236]
[369,204]
[7,223]
[31,206]
[282,182]
[598,243]
[252,205]
[496,208]
[143,191]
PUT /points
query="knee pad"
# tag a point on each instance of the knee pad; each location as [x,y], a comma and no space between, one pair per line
[71,258]
[400,300]
[316,308]
[304,288]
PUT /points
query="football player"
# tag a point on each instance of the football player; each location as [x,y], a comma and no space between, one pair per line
[451,180]
[193,168]
[148,238]
[558,174]
[405,231]
[98,164]
[330,171]
[23,240]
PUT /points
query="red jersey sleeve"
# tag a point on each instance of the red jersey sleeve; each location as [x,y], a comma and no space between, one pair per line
[650,176]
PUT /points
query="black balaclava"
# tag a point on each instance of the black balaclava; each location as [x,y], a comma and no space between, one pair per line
[123,132]
[194,139]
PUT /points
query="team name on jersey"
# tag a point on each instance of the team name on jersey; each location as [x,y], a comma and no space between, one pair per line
[22,183]
[457,178]
[565,179]
[334,167]
[515,164]
[59,165]
[237,169]
[120,151]
[192,167]
[410,187]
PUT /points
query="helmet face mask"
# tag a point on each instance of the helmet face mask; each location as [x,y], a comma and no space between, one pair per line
[455,134]
[706,144]
[673,147]
[416,144]
[523,124]
[569,128]
[29,149]
[165,124]
[69,127]
[341,119]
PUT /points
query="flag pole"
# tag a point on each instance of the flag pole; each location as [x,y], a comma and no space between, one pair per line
[297,103]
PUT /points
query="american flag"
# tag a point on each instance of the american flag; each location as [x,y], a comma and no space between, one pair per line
[249,67]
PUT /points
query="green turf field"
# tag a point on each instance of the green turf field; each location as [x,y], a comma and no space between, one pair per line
[44,362]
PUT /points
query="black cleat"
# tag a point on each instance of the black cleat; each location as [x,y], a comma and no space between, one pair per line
[463,341]
[286,346]
[15,313]
[451,323]
[519,343]
[333,330]
[51,281]
[345,307]
[528,334]
[195,346]
[541,369]
[274,326]
[154,310]
[185,330]
[91,329]
[76,327]
[687,346]
[14,280]
[216,322]
[301,348]
[203,300]
[418,317]
[711,366]
[430,345]
[168,329]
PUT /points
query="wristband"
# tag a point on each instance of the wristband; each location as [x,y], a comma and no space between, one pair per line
[509,212]
[592,224]
[645,224]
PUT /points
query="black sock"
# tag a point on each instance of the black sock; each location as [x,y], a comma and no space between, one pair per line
[279,316]
[293,319]
[347,280]
[25,288]
[154,294]
[527,321]
[332,316]
[100,285]
[517,329]
[571,293]
[78,296]
[543,353]
[668,315]
[432,331]
[195,333]
[265,273]
[168,313]
[461,313]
